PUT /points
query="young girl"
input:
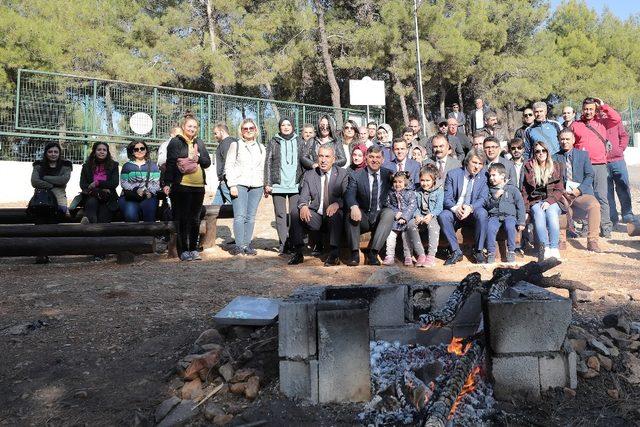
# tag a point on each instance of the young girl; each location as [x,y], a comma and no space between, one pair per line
[402,201]
[429,197]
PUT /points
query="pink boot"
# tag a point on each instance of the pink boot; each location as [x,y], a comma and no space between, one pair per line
[408,261]
[389,260]
[430,261]
[422,259]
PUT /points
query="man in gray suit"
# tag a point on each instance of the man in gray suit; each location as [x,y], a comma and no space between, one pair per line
[442,158]
[320,204]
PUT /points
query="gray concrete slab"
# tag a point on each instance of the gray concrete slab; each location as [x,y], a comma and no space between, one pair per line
[553,371]
[516,377]
[297,329]
[294,379]
[386,302]
[244,310]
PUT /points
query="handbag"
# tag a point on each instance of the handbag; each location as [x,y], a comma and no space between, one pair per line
[186,165]
[42,203]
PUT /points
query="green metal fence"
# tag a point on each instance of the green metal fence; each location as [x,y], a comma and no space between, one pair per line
[78,111]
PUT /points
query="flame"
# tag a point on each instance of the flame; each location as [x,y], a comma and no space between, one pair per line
[468,387]
[456,347]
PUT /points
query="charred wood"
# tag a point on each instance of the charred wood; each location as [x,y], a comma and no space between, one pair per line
[504,278]
[455,302]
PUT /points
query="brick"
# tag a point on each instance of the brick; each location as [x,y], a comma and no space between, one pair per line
[516,376]
[386,302]
[294,379]
[344,373]
[297,329]
[553,371]
[520,324]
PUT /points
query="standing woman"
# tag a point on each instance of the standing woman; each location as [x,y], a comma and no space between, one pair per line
[282,173]
[98,182]
[245,160]
[187,158]
[349,139]
[542,192]
[140,182]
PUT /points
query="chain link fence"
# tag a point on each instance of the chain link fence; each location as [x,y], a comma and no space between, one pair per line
[78,111]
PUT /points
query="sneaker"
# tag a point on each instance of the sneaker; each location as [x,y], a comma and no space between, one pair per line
[408,261]
[520,252]
[491,259]
[186,256]
[430,261]
[628,218]
[389,260]
[195,256]
[236,250]
[605,234]
[555,253]
[84,220]
[547,253]
[420,262]
[511,257]
[479,257]
[248,250]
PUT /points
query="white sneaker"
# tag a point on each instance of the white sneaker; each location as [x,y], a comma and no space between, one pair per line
[547,253]
[555,253]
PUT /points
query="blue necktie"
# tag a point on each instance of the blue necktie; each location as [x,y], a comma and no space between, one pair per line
[467,196]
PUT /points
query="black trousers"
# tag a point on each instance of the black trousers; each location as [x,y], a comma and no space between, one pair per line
[186,206]
[334,223]
[97,210]
[379,223]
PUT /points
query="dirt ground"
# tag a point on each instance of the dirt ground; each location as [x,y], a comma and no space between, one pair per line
[106,337]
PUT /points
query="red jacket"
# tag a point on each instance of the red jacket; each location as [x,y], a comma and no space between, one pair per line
[619,140]
[588,140]
[551,193]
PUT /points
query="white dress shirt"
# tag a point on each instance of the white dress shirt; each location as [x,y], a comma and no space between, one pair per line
[323,177]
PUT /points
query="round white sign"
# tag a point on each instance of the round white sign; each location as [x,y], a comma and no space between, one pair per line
[141,123]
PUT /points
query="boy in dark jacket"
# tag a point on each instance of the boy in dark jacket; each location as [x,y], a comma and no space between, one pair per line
[505,208]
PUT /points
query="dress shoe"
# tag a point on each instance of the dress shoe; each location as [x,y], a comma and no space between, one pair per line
[297,258]
[592,246]
[373,258]
[317,250]
[332,261]
[354,260]
[479,257]
[455,257]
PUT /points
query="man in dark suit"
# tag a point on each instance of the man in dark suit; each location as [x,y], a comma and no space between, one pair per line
[477,116]
[459,117]
[442,158]
[492,150]
[578,179]
[465,191]
[402,161]
[320,205]
[365,200]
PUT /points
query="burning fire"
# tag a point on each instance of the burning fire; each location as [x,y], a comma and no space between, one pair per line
[456,347]
[468,387]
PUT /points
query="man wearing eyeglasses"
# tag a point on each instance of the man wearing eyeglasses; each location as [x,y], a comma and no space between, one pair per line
[542,129]
[527,120]
[372,128]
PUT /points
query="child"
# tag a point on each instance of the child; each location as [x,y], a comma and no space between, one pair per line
[505,207]
[402,201]
[430,197]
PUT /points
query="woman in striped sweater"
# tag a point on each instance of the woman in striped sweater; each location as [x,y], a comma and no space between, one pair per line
[140,182]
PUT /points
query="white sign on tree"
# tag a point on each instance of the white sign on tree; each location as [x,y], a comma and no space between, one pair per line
[367,92]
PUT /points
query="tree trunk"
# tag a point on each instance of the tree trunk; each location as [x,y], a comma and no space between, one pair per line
[44,246]
[403,102]
[212,36]
[269,92]
[460,99]
[510,118]
[326,57]
[443,96]
[108,108]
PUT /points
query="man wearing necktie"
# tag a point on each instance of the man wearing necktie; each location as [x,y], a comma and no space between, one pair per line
[402,162]
[465,191]
[320,206]
[441,157]
[365,201]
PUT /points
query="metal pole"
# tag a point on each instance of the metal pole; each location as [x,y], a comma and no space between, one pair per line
[368,119]
[94,107]
[17,116]
[154,110]
[422,115]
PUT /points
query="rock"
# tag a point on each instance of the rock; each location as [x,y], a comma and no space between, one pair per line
[610,320]
[212,410]
[210,336]
[253,385]
[614,352]
[576,332]
[182,413]
[633,346]
[605,362]
[192,390]
[632,363]
[591,373]
[203,374]
[207,360]
[221,420]
[242,375]
[618,320]
[594,363]
[226,371]
[569,393]
[613,393]
[578,344]
[385,276]
[600,348]
[247,355]
[23,328]
[585,354]
[635,327]
[606,341]
[616,335]
[581,367]
[209,347]
[165,407]
[237,388]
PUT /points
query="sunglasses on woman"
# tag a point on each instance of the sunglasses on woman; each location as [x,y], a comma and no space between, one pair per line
[248,129]
[348,127]
[539,151]
[139,149]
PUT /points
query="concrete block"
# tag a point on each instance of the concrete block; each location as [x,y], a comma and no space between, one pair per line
[295,381]
[471,311]
[313,377]
[438,294]
[411,334]
[465,330]
[553,370]
[297,329]
[528,319]
[572,368]
[386,302]
[344,373]
[516,376]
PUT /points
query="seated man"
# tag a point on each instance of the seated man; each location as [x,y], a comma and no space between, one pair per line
[401,162]
[442,157]
[365,198]
[465,191]
[492,150]
[320,204]
[578,184]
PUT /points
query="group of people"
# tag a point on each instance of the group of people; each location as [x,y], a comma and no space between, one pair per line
[327,184]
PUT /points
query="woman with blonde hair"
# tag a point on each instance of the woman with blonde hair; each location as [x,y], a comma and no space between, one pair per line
[244,169]
[542,192]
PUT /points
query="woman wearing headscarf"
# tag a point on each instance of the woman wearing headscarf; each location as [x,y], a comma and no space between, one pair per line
[358,160]
[325,134]
[385,140]
[282,173]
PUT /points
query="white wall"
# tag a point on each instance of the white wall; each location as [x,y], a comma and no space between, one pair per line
[15,179]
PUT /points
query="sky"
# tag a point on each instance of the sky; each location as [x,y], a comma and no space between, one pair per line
[621,8]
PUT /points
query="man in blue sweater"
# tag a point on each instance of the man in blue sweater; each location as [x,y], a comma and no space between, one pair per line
[543,130]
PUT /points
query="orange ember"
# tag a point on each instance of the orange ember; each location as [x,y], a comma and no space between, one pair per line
[456,347]
[468,387]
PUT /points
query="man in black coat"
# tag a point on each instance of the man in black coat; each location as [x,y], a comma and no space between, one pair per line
[320,205]
[365,200]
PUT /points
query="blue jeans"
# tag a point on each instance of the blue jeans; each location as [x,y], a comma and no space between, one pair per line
[222,195]
[547,224]
[493,226]
[245,207]
[131,210]
[618,183]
